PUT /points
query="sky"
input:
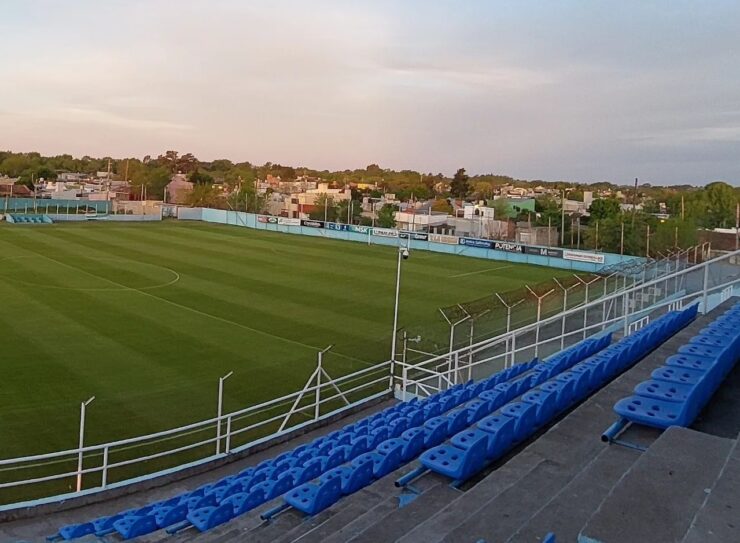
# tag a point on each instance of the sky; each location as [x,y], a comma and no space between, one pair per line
[568,90]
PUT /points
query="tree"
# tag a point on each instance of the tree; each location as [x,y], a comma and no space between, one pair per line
[386,216]
[460,186]
[203,195]
[500,209]
[200,178]
[604,208]
[349,206]
[441,205]
[324,207]
[722,201]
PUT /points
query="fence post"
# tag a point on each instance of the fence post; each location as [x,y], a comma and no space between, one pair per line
[625,311]
[104,480]
[705,309]
[513,350]
[227,450]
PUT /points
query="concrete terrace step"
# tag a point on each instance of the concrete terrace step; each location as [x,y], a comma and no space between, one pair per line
[718,520]
[401,520]
[659,495]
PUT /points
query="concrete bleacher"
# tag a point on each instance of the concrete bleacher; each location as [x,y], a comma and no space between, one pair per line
[563,479]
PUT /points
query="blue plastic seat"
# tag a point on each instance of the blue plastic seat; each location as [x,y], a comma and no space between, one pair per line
[244,502]
[73,531]
[494,398]
[563,389]
[312,498]
[413,439]
[502,428]
[705,351]
[170,514]
[678,375]
[209,517]
[690,362]
[545,402]
[273,488]
[435,431]
[652,412]
[664,390]
[387,459]
[398,426]
[457,421]
[134,526]
[354,477]
[525,416]
[458,464]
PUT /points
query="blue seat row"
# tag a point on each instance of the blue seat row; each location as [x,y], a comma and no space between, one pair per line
[371,446]
[677,391]
[516,419]
[461,405]
[472,403]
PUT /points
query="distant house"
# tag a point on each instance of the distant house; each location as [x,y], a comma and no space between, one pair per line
[177,189]
[10,189]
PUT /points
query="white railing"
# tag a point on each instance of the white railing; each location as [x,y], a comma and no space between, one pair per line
[717,278]
[41,476]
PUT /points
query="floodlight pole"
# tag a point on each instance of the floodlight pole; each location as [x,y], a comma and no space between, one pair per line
[539,314]
[508,319]
[83,408]
[219,411]
[585,302]
[565,308]
[395,306]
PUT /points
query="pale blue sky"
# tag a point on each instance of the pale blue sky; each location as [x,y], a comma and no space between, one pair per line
[579,90]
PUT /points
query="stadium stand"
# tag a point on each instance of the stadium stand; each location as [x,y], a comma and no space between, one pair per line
[551,474]
[678,390]
[314,476]
[14,218]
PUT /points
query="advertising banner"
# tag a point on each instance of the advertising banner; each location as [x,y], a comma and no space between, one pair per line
[360,229]
[508,247]
[474,242]
[289,222]
[544,251]
[312,224]
[581,256]
[385,232]
[267,219]
[441,238]
[337,226]
[418,236]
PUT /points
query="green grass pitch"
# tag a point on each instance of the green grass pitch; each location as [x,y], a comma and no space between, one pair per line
[146,317]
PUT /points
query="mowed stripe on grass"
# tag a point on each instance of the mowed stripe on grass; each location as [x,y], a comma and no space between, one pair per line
[258,303]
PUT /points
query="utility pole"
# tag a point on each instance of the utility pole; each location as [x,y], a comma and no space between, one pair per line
[647,242]
[621,240]
[596,241]
[562,220]
[682,208]
[634,204]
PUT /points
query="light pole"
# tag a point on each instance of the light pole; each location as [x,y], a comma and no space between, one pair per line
[403,254]
[83,408]
[220,409]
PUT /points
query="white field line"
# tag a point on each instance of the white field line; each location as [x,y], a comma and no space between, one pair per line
[479,271]
[203,313]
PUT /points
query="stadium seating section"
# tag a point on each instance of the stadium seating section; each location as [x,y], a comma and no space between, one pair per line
[678,390]
[482,420]
[28,219]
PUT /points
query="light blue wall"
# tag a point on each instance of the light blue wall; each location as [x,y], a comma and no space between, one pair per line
[249,220]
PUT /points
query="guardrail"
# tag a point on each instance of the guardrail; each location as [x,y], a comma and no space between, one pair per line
[714,280]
